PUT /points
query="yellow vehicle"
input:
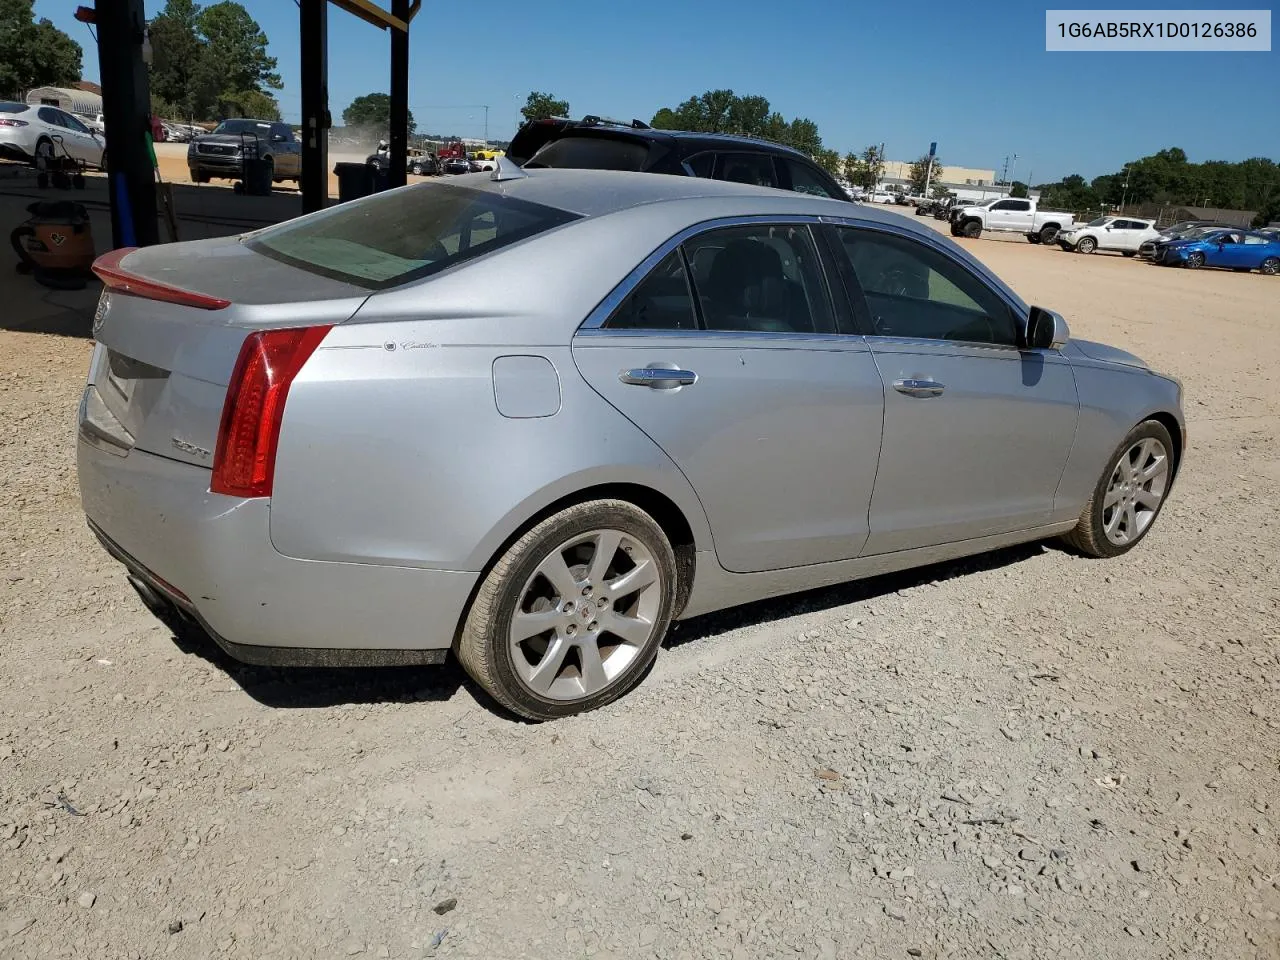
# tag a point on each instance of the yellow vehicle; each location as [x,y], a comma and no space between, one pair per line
[487,154]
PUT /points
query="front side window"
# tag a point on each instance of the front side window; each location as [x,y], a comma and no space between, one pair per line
[804,179]
[915,291]
[72,122]
[764,278]
[753,168]
[392,238]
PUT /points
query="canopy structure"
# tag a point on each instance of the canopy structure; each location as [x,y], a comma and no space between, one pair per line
[126,102]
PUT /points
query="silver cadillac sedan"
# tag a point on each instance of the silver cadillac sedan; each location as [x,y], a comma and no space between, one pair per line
[533,417]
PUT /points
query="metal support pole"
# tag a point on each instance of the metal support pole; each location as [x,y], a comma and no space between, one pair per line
[126,111]
[316,121]
[399,139]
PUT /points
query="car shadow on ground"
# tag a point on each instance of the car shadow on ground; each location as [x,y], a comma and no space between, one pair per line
[318,687]
[855,591]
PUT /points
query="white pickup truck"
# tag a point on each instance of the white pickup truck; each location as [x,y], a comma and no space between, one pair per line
[1010,215]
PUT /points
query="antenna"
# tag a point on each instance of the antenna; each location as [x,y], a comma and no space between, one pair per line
[505,169]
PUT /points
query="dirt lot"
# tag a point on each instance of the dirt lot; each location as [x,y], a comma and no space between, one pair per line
[1026,755]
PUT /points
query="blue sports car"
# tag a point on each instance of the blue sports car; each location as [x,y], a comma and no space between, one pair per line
[1234,249]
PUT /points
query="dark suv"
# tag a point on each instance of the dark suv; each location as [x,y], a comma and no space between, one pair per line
[596,143]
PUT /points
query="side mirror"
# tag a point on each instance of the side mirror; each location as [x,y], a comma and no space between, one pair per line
[1046,330]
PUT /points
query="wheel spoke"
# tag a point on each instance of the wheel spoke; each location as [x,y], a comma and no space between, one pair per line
[526,625]
[1130,521]
[1112,496]
[1156,468]
[548,668]
[557,571]
[1126,466]
[607,543]
[593,675]
[1148,499]
[632,630]
[1110,525]
[637,578]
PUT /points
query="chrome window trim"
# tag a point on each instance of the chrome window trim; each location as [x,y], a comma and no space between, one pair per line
[766,338]
[604,309]
[981,273]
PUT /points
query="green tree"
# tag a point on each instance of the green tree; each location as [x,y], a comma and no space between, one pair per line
[829,160]
[249,103]
[33,54]
[541,106]
[723,111]
[1017,189]
[920,173]
[866,170]
[851,167]
[373,112]
[212,61]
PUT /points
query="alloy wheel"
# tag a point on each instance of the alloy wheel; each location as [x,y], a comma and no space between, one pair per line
[1270,266]
[585,613]
[1087,245]
[1134,493]
[1195,260]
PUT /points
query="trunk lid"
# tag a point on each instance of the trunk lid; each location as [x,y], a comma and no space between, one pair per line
[160,371]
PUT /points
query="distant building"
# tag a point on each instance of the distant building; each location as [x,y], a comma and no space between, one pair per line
[86,103]
[967,183]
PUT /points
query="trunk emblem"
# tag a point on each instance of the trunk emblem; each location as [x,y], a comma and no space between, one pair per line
[100,315]
[190,448]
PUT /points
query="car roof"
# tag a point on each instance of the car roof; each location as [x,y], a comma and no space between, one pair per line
[684,136]
[595,193]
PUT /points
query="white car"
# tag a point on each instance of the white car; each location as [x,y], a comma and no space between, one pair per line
[1122,234]
[31,130]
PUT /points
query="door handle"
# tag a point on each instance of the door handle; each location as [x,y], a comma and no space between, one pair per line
[659,378]
[919,388]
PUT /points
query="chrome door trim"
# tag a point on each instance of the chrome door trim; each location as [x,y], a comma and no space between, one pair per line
[604,309]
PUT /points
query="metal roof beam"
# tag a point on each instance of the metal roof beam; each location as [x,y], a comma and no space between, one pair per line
[373,14]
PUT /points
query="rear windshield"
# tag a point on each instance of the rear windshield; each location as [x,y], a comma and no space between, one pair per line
[395,237]
[12,107]
[591,153]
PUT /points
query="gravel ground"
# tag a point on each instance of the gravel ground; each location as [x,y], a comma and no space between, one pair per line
[1023,755]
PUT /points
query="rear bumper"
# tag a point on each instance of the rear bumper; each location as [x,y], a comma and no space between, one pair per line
[211,557]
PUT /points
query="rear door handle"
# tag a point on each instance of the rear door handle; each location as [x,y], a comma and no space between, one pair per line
[919,388]
[659,378]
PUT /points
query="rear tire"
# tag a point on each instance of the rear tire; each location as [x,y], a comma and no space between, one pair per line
[1270,266]
[565,668]
[1049,234]
[1086,245]
[1129,495]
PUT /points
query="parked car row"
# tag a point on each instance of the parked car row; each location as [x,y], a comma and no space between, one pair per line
[40,134]
[1190,243]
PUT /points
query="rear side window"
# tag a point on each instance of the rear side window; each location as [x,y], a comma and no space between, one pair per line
[392,238]
[592,153]
[703,165]
[805,179]
[753,168]
[661,301]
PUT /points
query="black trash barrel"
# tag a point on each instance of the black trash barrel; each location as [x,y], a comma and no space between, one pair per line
[257,177]
[355,180]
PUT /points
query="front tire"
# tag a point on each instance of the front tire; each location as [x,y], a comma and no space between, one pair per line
[1086,245]
[1194,261]
[572,614]
[972,229]
[1129,494]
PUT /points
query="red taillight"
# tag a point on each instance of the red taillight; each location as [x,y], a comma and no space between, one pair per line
[245,459]
[13,123]
[112,275]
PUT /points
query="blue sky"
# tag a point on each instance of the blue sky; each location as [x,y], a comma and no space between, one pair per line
[975,78]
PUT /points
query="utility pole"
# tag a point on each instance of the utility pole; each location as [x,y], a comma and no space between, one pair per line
[1004,171]
[1015,168]
[486,124]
